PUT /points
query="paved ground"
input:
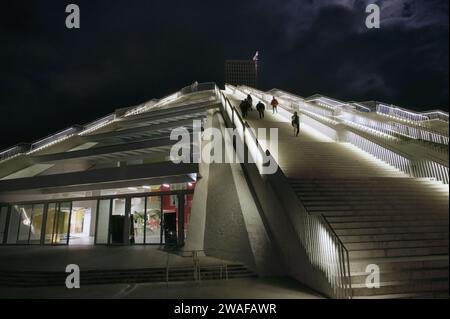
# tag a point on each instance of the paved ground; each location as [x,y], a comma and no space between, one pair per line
[23,258]
[45,258]
[247,288]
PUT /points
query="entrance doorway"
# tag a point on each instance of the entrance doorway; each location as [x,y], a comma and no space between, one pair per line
[82,223]
[57,223]
[146,220]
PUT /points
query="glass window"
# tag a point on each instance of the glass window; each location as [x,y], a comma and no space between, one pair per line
[50,224]
[82,222]
[3,218]
[170,219]
[62,223]
[13,226]
[37,219]
[153,234]
[137,220]
[104,207]
[24,223]
[117,221]
[57,225]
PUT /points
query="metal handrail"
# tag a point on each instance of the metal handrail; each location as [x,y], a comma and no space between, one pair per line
[409,115]
[336,270]
[347,270]
[197,267]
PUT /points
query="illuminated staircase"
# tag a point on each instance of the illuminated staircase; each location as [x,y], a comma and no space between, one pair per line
[380,214]
[399,224]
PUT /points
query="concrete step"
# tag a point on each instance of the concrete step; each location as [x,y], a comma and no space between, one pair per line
[416,295]
[330,195]
[400,263]
[355,197]
[391,218]
[354,210]
[392,230]
[364,188]
[390,182]
[348,206]
[356,238]
[180,273]
[398,287]
[397,244]
[411,209]
[432,295]
[384,212]
[386,180]
[369,195]
[364,185]
[370,213]
[398,252]
[412,275]
[373,224]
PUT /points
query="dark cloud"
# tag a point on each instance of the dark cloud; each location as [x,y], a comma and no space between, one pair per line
[127,52]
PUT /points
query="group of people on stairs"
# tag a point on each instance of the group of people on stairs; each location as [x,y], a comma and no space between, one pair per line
[247,104]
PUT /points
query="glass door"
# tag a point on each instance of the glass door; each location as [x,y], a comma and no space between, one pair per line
[174,221]
[145,220]
[57,223]
[153,221]
[27,223]
[137,221]
[102,226]
[3,222]
[118,221]
[36,224]
[111,222]
[25,212]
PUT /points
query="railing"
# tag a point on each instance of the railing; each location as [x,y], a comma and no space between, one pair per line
[426,168]
[378,139]
[414,126]
[418,117]
[197,267]
[193,88]
[14,151]
[199,87]
[390,130]
[417,125]
[323,247]
[436,115]
[54,138]
[97,124]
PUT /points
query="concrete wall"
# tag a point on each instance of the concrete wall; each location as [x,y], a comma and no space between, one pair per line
[280,212]
[226,235]
[225,213]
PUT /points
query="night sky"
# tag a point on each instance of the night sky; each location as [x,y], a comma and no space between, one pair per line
[127,52]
